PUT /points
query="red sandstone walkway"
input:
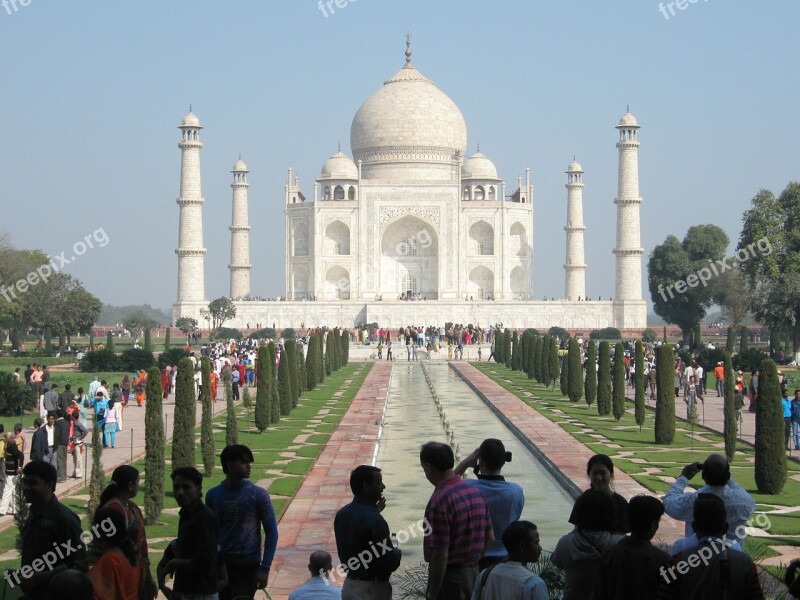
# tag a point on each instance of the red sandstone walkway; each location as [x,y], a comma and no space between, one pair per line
[563,455]
[307,524]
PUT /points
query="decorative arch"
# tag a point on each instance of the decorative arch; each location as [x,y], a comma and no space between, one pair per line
[337,239]
[300,282]
[519,240]
[481,239]
[338,193]
[300,240]
[480,193]
[519,283]
[409,257]
[481,283]
[351,193]
[337,284]
[492,193]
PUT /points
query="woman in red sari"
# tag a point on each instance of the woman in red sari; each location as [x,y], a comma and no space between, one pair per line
[166,381]
[139,385]
[214,382]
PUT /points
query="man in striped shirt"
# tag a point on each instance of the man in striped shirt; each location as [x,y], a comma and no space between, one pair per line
[460,527]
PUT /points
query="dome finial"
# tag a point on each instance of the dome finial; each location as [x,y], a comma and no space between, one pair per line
[340,145]
[408,48]
[479,147]
[628,108]
[190,107]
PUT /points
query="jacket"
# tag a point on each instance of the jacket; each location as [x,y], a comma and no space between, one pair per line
[39,444]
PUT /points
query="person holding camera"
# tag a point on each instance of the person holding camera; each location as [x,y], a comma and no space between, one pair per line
[739,504]
[505,498]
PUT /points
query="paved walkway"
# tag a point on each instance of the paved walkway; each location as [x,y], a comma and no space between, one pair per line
[130,445]
[307,524]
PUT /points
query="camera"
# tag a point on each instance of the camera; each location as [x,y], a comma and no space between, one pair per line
[508,456]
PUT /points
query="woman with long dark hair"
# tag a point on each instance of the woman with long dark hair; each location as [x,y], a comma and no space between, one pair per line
[600,470]
[115,575]
[124,485]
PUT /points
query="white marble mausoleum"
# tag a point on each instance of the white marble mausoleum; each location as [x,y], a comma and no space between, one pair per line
[411,230]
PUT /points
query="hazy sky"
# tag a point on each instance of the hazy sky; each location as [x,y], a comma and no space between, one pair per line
[92,93]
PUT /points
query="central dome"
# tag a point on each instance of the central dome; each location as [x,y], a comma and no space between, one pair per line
[408,120]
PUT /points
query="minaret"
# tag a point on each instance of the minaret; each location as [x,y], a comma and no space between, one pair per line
[575,265]
[240,234]
[190,251]
[629,247]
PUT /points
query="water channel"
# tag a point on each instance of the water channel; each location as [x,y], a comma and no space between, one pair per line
[412,418]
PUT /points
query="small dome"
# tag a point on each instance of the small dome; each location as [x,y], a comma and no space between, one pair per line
[339,166]
[240,166]
[478,166]
[628,120]
[574,167]
[190,120]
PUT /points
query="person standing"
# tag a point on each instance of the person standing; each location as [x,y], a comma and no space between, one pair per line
[93,385]
[242,510]
[460,526]
[719,374]
[192,558]
[77,432]
[49,525]
[111,425]
[512,578]
[38,440]
[786,404]
[52,400]
[100,405]
[389,350]
[60,440]
[359,527]
[505,498]
[318,587]
[630,568]
[600,470]
[115,575]
[739,504]
[796,419]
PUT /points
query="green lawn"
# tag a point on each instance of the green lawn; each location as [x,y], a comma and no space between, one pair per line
[636,454]
[281,462]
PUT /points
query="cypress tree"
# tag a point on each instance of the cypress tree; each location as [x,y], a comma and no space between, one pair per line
[770,455]
[183,422]
[563,380]
[516,353]
[247,399]
[530,350]
[328,353]
[604,379]
[639,383]
[345,341]
[275,397]
[744,339]
[665,395]
[729,410]
[499,347]
[97,478]
[507,349]
[154,441]
[524,340]
[311,363]
[301,369]
[206,433]
[167,339]
[290,346]
[109,342]
[148,342]
[546,375]
[730,343]
[591,373]
[618,398]
[285,393]
[539,356]
[263,391]
[575,386]
[321,366]
[554,362]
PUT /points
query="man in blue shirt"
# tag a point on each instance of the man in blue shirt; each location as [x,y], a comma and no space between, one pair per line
[505,498]
[242,509]
[318,587]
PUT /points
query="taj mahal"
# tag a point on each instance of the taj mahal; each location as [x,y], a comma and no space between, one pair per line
[411,230]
